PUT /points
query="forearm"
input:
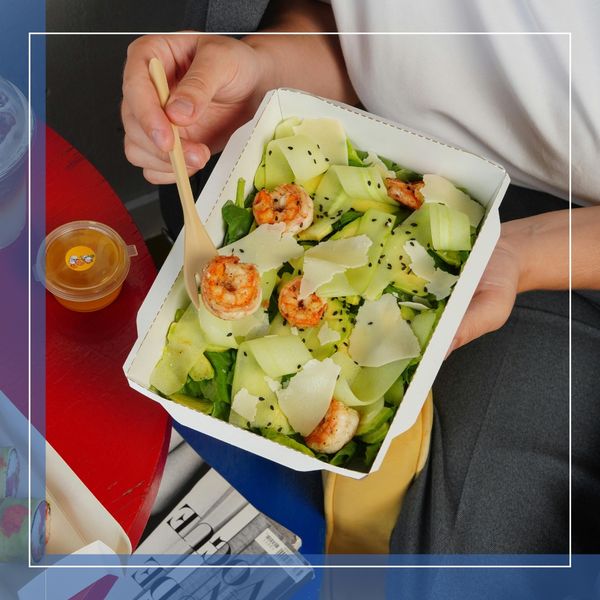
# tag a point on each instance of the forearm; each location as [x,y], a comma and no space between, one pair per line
[309,62]
[542,249]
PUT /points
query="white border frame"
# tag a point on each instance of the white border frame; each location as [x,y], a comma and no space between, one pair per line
[468,33]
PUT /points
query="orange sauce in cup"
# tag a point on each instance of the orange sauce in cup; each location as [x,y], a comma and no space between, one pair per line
[85,264]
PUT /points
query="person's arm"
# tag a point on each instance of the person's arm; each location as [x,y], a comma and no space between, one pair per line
[217,83]
[533,254]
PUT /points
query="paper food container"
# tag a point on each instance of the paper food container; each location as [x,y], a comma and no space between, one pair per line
[485,180]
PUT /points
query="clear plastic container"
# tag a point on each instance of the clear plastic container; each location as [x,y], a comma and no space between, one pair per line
[84,264]
[13,162]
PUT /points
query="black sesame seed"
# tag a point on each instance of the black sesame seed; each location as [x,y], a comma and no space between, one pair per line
[242,250]
[319,147]
[415,291]
[389,266]
[407,232]
[245,353]
[370,323]
[229,334]
[299,366]
[370,264]
[381,244]
[248,424]
[335,312]
[309,152]
[290,147]
[269,424]
[368,182]
[279,429]
[344,329]
[413,224]
[411,243]
[270,152]
[326,159]
[326,197]
[315,160]
[379,186]
[261,398]
[373,220]
[271,407]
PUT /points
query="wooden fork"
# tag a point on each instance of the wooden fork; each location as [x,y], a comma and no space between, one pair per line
[198,247]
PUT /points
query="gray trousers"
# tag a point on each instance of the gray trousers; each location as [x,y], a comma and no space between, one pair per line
[497,477]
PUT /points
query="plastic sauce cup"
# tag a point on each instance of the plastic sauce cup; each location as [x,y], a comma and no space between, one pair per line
[85,264]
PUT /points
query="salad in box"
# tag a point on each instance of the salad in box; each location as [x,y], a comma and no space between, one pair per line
[336,265]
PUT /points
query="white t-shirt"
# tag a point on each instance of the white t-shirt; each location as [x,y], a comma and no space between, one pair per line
[505,96]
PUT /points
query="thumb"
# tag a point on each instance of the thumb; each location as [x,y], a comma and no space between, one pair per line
[489,309]
[203,79]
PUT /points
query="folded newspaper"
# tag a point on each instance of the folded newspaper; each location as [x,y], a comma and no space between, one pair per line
[213,525]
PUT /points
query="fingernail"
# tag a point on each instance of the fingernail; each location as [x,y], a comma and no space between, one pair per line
[159,138]
[192,159]
[181,107]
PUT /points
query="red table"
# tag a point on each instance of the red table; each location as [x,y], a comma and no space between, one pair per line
[115,439]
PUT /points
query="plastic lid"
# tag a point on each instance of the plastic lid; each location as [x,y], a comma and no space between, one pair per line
[13,126]
[83,261]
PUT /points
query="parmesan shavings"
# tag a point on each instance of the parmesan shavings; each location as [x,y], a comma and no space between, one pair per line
[327,335]
[308,395]
[328,258]
[267,247]
[422,264]
[439,190]
[244,404]
[381,335]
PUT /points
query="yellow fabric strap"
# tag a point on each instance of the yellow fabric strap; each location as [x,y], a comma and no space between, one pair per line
[361,513]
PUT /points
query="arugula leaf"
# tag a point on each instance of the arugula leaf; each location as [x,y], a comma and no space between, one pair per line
[218,388]
[347,217]
[343,455]
[402,173]
[238,221]
[371,451]
[354,159]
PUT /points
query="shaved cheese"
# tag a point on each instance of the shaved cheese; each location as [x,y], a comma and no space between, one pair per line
[267,247]
[422,264]
[327,335]
[273,384]
[439,190]
[244,404]
[308,395]
[381,335]
[415,305]
[328,258]
[329,135]
[252,326]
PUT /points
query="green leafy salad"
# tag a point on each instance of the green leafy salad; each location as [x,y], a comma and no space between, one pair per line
[333,274]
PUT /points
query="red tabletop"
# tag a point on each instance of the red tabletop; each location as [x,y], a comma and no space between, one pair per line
[115,439]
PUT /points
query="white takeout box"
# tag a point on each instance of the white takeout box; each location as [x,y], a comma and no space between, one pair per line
[485,180]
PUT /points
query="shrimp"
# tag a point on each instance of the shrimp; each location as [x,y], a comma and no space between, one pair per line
[289,204]
[335,430]
[300,313]
[408,194]
[230,288]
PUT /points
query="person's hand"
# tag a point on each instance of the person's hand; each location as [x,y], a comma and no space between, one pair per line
[215,88]
[495,295]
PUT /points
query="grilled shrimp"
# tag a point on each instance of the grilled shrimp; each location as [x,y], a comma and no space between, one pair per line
[335,430]
[289,204]
[300,313]
[230,288]
[408,194]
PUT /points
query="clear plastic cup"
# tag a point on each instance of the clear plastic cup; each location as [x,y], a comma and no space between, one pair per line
[84,264]
[13,162]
